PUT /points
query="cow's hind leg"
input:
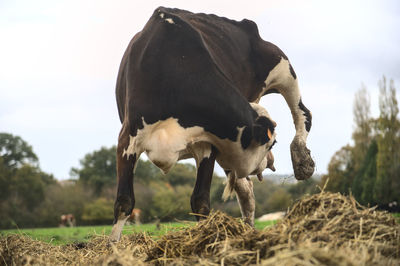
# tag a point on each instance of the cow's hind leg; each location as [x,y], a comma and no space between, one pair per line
[283,79]
[245,197]
[200,200]
[125,200]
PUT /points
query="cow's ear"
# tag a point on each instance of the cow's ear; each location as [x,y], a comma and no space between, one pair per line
[260,134]
[246,137]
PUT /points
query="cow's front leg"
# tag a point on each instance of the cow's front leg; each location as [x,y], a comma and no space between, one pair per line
[245,197]
[125,200]
[243,188]
[200,200]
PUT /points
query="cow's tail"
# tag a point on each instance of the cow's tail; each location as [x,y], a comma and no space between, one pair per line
[229,186]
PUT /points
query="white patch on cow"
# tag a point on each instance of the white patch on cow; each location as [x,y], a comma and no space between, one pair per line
[130,150]
[161,15]
[261,111]
[241,162]
[117,228]
[282,80]
[170,20]
[165,142]
[199,151]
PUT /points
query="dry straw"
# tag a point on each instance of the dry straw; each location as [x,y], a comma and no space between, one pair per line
[322,229]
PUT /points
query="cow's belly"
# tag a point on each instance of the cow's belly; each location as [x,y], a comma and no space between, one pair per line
[231,156]
[165,142]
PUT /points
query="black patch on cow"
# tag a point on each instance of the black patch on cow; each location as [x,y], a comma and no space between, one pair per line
[245,139]
[307,114]
[259,132]
[273,143]
[271,91]
[263,124]
[292,71]
[235,47]
[171,72]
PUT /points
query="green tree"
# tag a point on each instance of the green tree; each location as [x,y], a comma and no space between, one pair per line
[5,177]
[63,198]
[27,187]
[144,195]
[16,152]
[368,175]
[340,170]
[146,172]
[371,168]
[100,211]
[22,183]
[279,200]
[181,174]
[25,192]
[171,202]
[302,188]
[361,116]
[98,169]
[217,189]
[388,140]
[362,135]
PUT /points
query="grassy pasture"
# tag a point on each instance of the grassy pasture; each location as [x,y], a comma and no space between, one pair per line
[66,235]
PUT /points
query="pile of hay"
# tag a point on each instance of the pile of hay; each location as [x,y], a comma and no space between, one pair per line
[22,250]
[323,229]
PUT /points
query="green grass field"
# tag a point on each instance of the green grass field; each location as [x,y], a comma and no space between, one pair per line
[66,235]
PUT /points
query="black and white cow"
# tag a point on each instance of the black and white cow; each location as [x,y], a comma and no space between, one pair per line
[188,87]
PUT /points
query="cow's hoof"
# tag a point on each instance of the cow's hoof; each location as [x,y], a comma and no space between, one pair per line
[249,220]
[117,228]
[303,164]
[115,233]
[123,204]
[202,213]
[113,239]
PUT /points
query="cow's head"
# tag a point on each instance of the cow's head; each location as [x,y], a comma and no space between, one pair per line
[260,139]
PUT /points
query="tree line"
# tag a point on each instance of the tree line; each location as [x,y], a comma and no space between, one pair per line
[369,168]
[29,197]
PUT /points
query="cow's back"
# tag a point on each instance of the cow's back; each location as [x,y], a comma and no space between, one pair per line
[232,45]
[168,71]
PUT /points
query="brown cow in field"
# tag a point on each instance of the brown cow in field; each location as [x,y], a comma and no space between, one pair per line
[67,220]
[135,216]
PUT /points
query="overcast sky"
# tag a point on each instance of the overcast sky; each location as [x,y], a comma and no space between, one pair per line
[59,63]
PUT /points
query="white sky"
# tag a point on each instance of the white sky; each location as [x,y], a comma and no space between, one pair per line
[59,62]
